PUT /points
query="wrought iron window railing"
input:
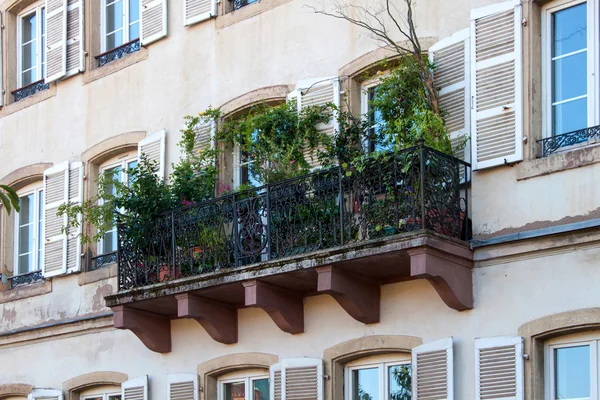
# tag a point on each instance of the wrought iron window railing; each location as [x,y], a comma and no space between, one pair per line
[552,144]
[30,90]
[118,52]
[418,188]
[26,279]
[103,260]
[237,4]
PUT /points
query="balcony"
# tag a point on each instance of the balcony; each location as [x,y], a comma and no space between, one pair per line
[341,231]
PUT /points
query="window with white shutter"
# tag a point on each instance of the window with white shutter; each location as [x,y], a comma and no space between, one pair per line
[135,389]
[182,387]
[56,192]
[297,379]
[153,147]
[496,85]
[499,368]
[452,78]
[205,136]
[195,11]
[433,371]
[154,21]
[56,39]
[74,233]
[75,37]
[318,92]
[45,394]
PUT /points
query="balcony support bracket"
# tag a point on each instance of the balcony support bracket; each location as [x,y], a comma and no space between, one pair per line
[152,329]
[359,296]
[450,275]
[218,319]
[285,307]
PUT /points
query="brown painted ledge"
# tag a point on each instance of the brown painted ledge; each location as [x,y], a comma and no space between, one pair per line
[352,275]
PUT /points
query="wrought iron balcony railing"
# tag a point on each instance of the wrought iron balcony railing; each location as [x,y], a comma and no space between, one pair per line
[237,4]
[118,52]
[554,143]
[30,90]
[103,260]
[26,279]
[418,188]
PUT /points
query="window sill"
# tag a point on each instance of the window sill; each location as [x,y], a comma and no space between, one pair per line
[115,66]
[28,101]
[107,272]
[568,158]
[23,292]
[249,11]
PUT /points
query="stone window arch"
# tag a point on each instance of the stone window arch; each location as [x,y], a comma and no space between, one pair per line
[15,391]
[74,387]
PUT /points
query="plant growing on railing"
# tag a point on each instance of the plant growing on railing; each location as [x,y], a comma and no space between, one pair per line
[276,139]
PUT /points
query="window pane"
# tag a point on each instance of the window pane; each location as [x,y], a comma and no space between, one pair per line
[28,77]
[569,77]
[29,28]
[40,228]
[260,389]
[114,397]
[28,56]
[399,382]
[377,141]
[569,116]
[109,242]
[569,30]
[113,40]
[134,11]
[43,44]
[25,263]
[114,16]
[572,372]
[134,31]
[235,391]
[366,384]
[26,214]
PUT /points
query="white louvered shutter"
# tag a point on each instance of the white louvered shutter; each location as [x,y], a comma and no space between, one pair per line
[153,147]
[195,11]
[496,85]
[135,389]
[56,40]
[56,192]
[75,37]
[182,387]
[318,92]
[432,371]
[45,394]
[153,21]
[275,381]
[452,78]
[1,67]
[499,368]
[74,234]
[302,379]
[205,136]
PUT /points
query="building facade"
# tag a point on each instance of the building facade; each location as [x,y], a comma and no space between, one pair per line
[498,304]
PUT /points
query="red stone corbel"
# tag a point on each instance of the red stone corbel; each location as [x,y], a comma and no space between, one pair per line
[286,308]
[219,319]
[451,276]
[153,330]
[359,296]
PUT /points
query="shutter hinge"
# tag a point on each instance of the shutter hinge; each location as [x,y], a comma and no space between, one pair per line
[526,356]
[326,377]
[524,22]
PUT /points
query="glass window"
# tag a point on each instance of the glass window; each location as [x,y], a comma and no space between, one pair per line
[379,378]
[119,171]
[569,69]
[375,140]
[121,22]
[29,232]
[31,49]
[102,396]
[245,388]
[246,175]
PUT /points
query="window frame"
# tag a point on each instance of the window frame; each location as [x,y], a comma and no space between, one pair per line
[125,22]
[593,65]
[247,377]
[122,161]
[592,340]
[382,363]
[37,221]
[105,396]
[39,38]
[365,110]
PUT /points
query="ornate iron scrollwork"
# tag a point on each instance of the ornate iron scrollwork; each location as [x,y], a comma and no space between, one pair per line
[417,188]
[25,279]
[103,260]
[30,90]
[554,143]
[118,52]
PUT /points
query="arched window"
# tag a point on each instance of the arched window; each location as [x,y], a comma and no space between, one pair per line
[252,384]
[28,233]
[378,377]
[108,392]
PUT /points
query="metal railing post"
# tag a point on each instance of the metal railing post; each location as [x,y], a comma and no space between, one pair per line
[422,181]
[268,205]
[235,231]
[341,206]
[173,246]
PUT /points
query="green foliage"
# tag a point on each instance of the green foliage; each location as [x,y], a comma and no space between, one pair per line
[9,198]
[278,138]
[407,110]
